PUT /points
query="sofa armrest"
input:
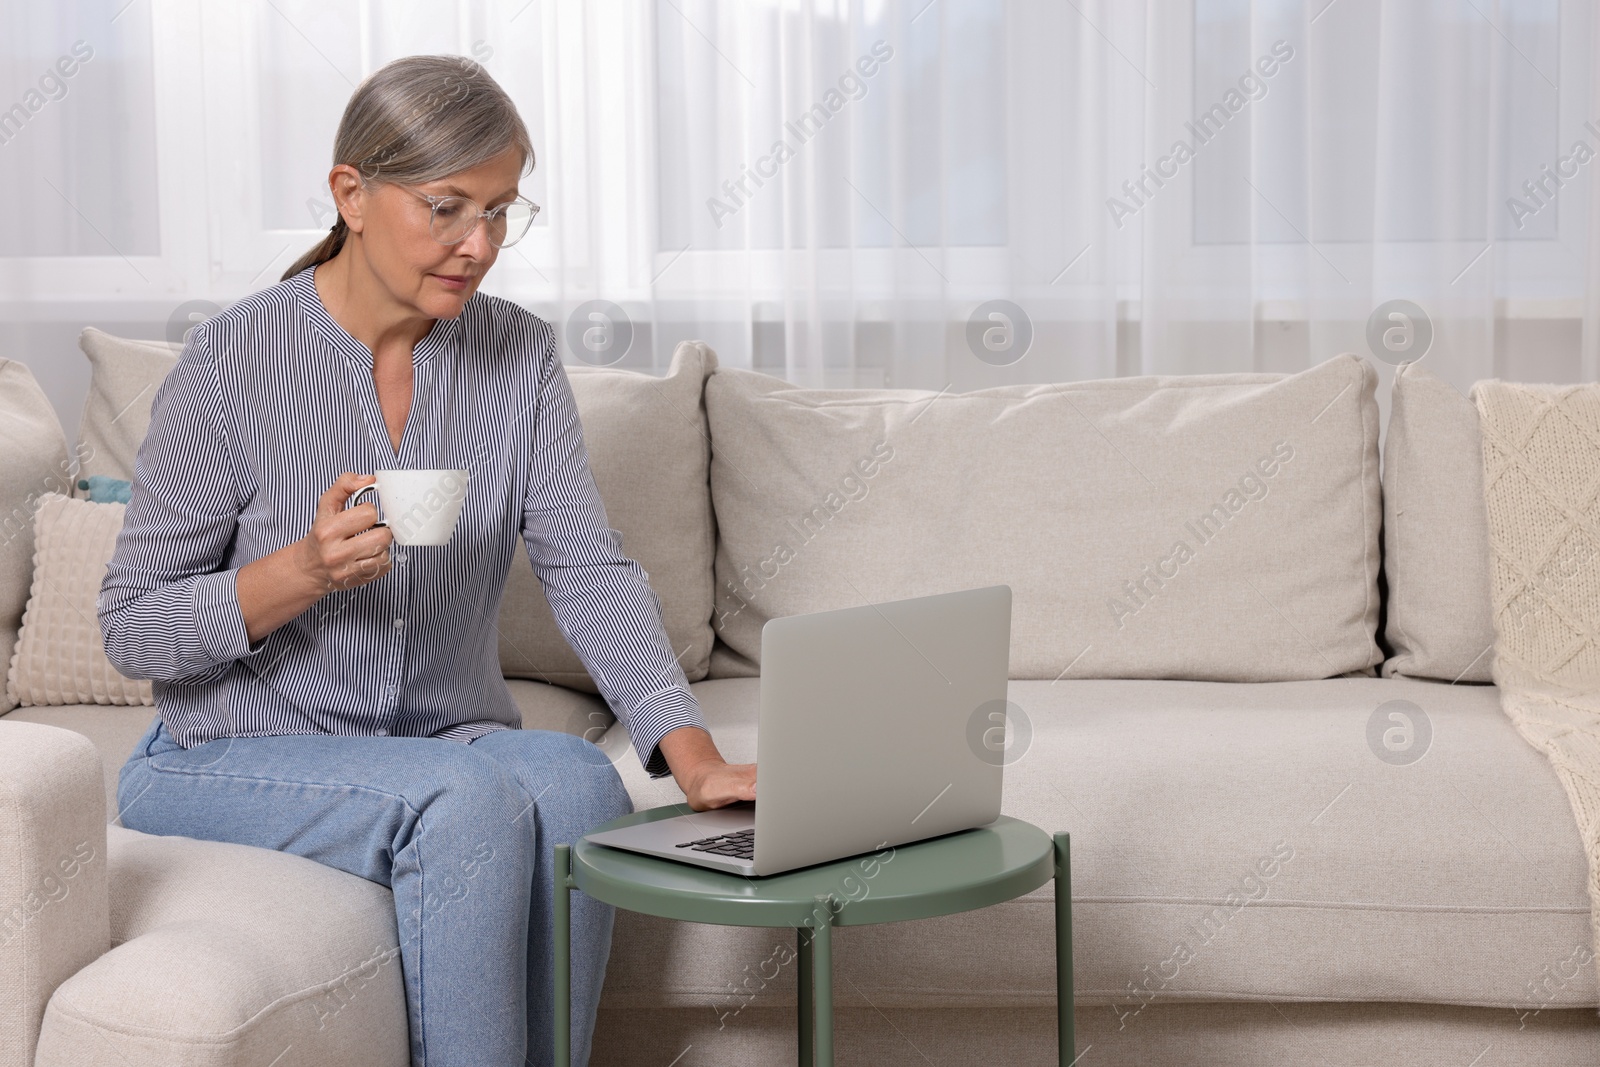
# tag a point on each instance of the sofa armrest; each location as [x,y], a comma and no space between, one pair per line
[54,910]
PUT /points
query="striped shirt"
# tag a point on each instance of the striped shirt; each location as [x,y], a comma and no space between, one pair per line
[270,401]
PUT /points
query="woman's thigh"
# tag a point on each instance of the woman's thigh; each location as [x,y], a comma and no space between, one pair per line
[350,802]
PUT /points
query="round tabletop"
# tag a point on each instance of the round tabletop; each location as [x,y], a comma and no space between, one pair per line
[940,876]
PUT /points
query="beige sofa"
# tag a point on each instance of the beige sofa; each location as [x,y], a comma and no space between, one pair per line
[1249,677]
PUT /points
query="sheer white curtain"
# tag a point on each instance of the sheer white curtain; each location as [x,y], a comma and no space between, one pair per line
[1385,160]
[923,193]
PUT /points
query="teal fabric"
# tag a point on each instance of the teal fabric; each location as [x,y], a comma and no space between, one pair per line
[105,490]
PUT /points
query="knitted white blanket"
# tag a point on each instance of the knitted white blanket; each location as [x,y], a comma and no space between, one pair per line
[1541,484]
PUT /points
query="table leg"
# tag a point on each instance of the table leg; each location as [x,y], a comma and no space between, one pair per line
[822,963]
[1066,1039]
[802,937]
[563,954]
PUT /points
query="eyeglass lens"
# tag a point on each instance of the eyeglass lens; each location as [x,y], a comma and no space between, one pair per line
[455,216]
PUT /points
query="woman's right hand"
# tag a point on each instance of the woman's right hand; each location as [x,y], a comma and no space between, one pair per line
[344,549]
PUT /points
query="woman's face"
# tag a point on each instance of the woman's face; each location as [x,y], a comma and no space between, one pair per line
[402,252]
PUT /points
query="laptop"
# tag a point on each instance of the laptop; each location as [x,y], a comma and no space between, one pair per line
[874,730]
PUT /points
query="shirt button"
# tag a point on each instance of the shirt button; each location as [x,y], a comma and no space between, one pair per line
[399,623]
[399,557]
[383,733]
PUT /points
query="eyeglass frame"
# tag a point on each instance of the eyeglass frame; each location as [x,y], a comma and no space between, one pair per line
[434,200]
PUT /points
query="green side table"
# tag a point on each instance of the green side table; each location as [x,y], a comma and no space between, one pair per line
[955,873]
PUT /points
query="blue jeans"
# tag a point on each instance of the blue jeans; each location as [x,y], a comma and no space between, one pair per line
[463,835]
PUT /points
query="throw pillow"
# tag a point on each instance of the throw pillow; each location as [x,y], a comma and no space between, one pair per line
[60,658]
[35,451]
[649,454]
[1435,533]
[1215,527]
[103,490]
[122,383]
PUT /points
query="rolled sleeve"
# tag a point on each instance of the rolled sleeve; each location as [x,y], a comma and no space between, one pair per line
[601,599]
[168,609]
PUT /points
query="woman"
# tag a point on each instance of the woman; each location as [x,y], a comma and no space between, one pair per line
[325,692]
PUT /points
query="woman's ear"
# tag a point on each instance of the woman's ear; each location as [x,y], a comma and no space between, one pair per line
[349,195]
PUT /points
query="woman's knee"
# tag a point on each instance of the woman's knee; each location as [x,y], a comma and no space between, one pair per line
[563,770]
[598,780]
[469,777]
[468,806]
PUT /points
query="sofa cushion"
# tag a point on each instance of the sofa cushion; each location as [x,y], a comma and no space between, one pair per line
[115,730]
[35,451]
[124,375]
[60,656]
[648,451]
[1435,533]
[1256,823]
[1220,527]
[225,954]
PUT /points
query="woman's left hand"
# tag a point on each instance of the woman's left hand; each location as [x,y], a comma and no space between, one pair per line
[716,783]
[707,780]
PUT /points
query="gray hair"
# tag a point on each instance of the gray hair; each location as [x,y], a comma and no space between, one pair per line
[419,119]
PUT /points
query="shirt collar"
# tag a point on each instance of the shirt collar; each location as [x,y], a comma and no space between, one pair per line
[442,334]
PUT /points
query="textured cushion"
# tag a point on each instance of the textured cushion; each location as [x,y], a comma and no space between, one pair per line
[60,656]
[1436,533]
[35,451]
[1219,527]
[1456,879]
[226,955]
[122,382]
[648,451]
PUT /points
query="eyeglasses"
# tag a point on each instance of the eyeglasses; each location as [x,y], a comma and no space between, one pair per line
[455,217]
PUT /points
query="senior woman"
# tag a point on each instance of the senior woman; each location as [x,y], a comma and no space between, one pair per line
[326,692]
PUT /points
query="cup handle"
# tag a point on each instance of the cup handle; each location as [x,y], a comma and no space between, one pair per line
[355,499]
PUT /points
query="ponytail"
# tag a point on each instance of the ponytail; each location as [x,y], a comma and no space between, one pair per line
[324,251]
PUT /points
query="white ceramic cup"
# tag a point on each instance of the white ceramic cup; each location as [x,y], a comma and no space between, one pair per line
[420,507]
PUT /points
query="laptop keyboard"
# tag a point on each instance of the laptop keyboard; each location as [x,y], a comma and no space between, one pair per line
[740,845]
